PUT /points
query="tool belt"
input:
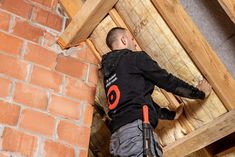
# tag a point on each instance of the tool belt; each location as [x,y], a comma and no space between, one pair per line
[147,133]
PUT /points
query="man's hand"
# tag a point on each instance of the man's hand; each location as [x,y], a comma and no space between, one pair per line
[179,111]
[205,87]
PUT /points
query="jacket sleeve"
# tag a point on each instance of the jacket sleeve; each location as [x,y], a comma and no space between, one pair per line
[164,113]
[160,77]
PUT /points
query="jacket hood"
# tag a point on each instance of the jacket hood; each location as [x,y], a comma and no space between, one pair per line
[110,61]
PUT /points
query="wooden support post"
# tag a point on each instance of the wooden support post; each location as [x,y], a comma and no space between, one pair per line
[93,49]
[84,22]
[229,8]
[198,49]
[71,7]
[200,138]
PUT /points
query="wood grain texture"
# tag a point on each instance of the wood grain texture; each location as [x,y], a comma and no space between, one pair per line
[205,135]
[85,21]
[71,7]
[229,8]
[198,49]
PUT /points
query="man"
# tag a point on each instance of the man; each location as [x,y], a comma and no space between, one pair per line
[129,79]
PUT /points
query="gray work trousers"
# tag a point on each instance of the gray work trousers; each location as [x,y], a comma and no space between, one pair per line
[127,141]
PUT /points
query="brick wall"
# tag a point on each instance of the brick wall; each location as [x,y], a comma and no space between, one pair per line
[46,98]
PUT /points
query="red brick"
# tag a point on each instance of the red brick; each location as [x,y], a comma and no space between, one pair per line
[93,74]
[48,3]
[9,114]
[15,44]
[13,67]
[88,115]
[49,40]
[25,30]
[5,20]
[3,155]
[46,78]
[80,90]
[40,55]
[83,153]
[87,55]
[48,19]
[53,149]
[71,66]
[18,7]
[5,86]
[37,122]
[75,135]
[65,107]
[16,141]
[30,96]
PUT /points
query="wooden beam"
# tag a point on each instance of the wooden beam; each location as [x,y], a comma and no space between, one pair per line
[227,153]
[207,134]
[198,49]
[71,7]
[93,49]
[84,22]
[229,8]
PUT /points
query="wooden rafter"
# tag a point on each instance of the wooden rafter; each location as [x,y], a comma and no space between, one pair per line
[71,7]
[207,134]
[84,22]
[229,8]
[198,49]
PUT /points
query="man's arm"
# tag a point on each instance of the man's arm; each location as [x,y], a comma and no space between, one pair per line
[160,77]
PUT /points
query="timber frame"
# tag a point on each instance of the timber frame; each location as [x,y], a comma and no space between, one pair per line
[85,17]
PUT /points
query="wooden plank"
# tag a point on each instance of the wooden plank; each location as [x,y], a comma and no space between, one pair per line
[198,49]
[71,7]
[207,134]
[85,21]
[229,8]
[93,49]
[227,153]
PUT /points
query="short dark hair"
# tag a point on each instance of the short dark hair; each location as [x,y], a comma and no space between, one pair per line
[112,35]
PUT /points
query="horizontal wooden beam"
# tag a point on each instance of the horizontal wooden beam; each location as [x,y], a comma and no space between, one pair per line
[207,134]
[198,49]
[71,7]
[227,153]
[229,8]
[85,21]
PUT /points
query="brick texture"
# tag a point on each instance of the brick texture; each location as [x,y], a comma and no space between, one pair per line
[78,89]
[9,114]
[72,67]
[48,19]
[65,107]
[86,55]
[88,115]
[75,134]
[5,20]
[13,67]
[37,122]
[30,96]
[16,44]
[36,54]
[46,78]
[18,7]
[53,149]
[5,86]
[93,75]
[83,153]
[30,32]
[47,3]
[20,142]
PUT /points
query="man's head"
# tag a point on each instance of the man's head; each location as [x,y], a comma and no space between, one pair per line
[119,38]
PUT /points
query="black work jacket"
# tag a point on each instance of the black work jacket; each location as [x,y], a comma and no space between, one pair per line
[129,79]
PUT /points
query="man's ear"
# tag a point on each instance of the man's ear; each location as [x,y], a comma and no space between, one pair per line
[123,40]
